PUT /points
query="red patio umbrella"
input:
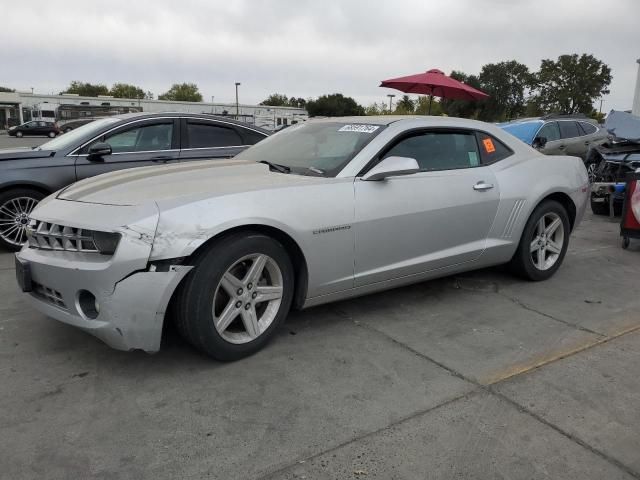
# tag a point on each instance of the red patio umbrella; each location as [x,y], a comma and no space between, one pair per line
[434,83]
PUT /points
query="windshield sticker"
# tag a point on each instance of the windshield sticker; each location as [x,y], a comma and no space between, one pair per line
[489,147]
[359,128]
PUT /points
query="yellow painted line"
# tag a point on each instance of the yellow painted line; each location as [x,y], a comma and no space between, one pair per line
[527,367]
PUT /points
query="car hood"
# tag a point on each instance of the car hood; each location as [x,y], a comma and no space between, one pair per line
[23,152]
[183,182]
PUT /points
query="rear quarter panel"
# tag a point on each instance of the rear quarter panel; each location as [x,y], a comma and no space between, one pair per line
[524,182]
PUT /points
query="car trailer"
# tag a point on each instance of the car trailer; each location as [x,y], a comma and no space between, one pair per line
[630,222]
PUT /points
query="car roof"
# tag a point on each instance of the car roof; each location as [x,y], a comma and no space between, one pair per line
[145,115]
[427,120]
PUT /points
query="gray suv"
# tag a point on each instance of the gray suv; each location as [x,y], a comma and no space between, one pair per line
[112,143]
[560,135]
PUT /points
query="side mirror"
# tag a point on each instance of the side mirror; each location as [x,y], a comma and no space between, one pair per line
[392,167]
[539,142]
[99,150]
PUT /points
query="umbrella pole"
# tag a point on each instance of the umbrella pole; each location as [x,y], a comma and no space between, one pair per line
[430,100]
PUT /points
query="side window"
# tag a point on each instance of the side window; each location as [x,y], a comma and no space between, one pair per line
[209,135]
[550,131]
[439,150]
[491,149]
[251,137]
[569,129]
[588,128]
[138,139]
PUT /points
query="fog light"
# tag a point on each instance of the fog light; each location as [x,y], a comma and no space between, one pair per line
[105,242]
[88,304]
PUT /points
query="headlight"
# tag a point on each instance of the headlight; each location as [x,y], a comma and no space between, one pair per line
[105,242]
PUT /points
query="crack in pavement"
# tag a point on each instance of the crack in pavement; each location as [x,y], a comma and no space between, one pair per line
[576,326]
[489,388]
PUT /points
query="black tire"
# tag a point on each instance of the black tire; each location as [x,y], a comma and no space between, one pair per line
[195,298]
[6,197]
[19,134]
[600,208]
[522,263]
[52,134]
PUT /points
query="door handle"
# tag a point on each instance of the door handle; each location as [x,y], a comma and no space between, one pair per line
[163,159]
[562,147]
[481,186]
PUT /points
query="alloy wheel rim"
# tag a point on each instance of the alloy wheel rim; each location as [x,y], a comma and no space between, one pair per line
[591,172]
[14,219]
[247,298]
[547,242]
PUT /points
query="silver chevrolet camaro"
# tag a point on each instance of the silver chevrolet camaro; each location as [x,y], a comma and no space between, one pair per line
[321,211]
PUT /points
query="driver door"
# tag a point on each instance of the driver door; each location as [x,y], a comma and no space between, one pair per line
[435,218]
[145,143]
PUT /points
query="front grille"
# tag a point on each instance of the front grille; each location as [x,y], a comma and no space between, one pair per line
[49,295]
[49,236]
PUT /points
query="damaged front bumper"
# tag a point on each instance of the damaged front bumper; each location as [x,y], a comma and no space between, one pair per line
[119,298]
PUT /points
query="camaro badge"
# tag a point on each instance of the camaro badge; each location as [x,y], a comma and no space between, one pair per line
[331,229]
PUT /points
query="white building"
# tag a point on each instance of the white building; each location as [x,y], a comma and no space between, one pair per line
[19,107]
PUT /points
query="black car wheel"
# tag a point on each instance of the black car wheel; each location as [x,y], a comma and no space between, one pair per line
[19,134]
[52,134]
[238,293]
[544,242]
[15,207]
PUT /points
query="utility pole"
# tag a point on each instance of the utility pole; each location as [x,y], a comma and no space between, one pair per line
[237,104]
[390,95]
[212,98]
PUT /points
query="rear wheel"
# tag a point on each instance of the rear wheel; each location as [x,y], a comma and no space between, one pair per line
[544,242]
[236,296]
[19,134]
[52,134]
[15,207]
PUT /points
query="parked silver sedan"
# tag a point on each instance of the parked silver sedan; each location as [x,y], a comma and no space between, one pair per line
[322,211]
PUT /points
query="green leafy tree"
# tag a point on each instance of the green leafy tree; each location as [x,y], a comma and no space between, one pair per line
[571,84]
[422,106]
[6,89]
[126,90]
[276,100]
[461,108]
[182,92]
[86,89]
[334,105]
[375,109]
[405,106]
[297,102]
[506,83]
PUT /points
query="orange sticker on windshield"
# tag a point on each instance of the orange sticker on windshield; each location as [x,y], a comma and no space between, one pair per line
[488,145]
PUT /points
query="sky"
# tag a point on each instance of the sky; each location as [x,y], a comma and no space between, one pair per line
[303,48]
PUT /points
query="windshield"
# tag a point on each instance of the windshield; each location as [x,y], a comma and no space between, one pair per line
[72,138]
[322,148]
[522,130]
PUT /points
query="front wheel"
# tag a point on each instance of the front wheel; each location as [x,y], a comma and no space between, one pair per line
[15,207]
[544,242]
[236,296]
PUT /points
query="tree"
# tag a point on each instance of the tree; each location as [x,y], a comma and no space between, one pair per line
[422,106]
[86,89]
[572,83]
[334,105]
[297,102]
[506,84]
[6,89]
[461,108]
[126,90]
[405,106]
[276,100]
[182,92]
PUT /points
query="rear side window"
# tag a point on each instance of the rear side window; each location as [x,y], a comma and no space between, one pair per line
[550,131]
[250,137]
[588,128]
[491,149]
[439,150]
[209,135]
[569,130]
